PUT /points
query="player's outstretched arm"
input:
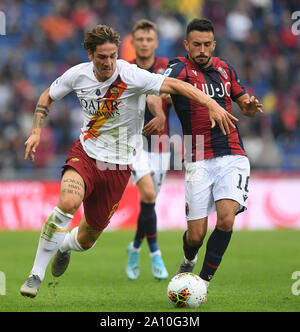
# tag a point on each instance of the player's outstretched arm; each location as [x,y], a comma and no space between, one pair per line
[157,125]
[216,112]
[249,105]
[40,114]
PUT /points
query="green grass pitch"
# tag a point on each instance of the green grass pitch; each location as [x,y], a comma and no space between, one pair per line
[255,275]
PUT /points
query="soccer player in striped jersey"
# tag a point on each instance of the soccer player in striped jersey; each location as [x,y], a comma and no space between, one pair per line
[112,94]
[150,168]
[217,167]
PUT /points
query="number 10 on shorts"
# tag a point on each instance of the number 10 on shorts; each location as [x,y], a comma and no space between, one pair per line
[243,185]
[240,184]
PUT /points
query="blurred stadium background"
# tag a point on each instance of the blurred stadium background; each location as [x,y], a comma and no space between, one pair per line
[44,38]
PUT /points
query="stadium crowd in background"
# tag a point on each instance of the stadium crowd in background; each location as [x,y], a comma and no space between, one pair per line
[44,38]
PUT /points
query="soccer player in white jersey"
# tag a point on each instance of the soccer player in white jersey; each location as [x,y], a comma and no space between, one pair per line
[112,94]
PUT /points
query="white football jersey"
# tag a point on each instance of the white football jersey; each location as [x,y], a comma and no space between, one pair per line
[113,110]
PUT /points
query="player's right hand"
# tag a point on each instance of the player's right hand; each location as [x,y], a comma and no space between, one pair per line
[221,116]
[31,145]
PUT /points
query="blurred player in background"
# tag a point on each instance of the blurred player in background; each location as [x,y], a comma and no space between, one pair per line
[112,95]
[217,171]
[150,167]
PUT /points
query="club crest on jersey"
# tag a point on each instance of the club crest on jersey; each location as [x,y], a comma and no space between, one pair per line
[223,72]
[115,92]
[98,92]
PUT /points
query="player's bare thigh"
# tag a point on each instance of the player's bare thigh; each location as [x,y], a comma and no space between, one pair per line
[147,189]
[72,190]
[226,210]
[87,235]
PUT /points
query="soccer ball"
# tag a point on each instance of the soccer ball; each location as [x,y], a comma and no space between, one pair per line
[187,290]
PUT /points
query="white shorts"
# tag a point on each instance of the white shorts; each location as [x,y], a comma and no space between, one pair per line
[153,163]
[210,180]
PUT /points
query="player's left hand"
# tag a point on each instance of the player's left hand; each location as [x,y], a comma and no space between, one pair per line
[252,106]
[32,143]
[156,126]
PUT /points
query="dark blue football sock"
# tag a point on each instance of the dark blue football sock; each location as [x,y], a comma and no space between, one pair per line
[215,249]
[139,235]
[147,227]
[189,251]
[148,216]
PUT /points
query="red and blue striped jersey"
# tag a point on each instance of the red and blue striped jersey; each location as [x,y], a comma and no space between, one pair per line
[220,82]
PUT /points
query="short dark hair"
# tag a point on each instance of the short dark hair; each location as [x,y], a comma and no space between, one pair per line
[144,25]
[100,35]
[200,25]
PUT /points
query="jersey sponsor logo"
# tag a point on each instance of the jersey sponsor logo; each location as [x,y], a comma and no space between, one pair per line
[215,90]
[107,108]
[100,107]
